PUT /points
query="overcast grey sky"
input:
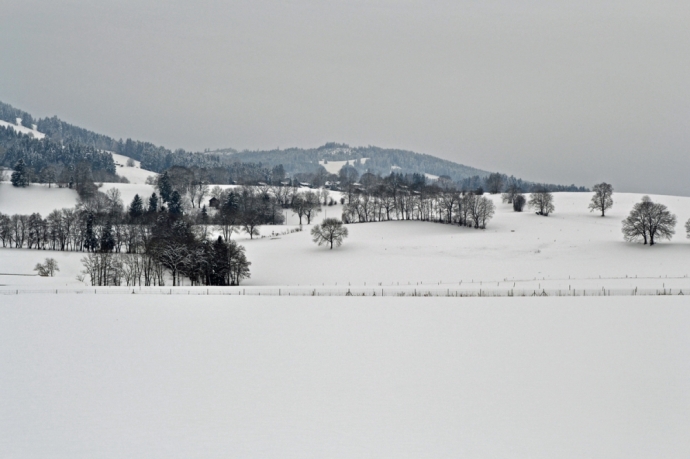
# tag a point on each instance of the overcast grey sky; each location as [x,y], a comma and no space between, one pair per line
[560,91]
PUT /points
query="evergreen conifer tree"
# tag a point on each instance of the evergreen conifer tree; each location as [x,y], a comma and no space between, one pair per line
[153,203]
[165,187]
[136,209]
[175,205]
[107,238]
[19,176]
[90,241]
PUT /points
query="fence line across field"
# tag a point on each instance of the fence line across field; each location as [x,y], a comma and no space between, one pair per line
[350,291]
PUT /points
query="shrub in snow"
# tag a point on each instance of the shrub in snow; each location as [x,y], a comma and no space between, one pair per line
[48,268]
[519,202]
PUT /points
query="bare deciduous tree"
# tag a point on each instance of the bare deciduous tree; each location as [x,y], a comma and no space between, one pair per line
[541,199]
[313,205]
[649,221]
[330,231]
[602,200]
[481,210]
[511,192]
[48,267]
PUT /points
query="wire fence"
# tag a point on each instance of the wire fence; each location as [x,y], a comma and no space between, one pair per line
[349,291]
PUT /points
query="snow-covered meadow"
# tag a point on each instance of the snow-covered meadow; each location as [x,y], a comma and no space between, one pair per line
[178,375]
[141,376]
[570,249]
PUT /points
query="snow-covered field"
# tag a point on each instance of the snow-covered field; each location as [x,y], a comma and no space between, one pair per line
[570,249]
[165,377]
[151,375]
[35,198]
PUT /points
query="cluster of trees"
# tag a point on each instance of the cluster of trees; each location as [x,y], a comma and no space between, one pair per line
[496,183]
[399,197]
[137,245]
[79,178]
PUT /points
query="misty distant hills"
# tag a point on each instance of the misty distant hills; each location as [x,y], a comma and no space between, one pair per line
[156,158]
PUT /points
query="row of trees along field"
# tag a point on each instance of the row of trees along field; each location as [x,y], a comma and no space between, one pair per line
[133,246]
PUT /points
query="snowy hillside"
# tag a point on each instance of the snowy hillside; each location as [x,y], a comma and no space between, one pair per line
[35,198]
[22,129]
[135,174]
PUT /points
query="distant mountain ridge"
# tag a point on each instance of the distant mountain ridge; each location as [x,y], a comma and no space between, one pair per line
[155,158]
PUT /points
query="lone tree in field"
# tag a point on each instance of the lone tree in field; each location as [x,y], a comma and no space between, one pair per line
[330,231]
[601,200]
[649,221]
[541,199]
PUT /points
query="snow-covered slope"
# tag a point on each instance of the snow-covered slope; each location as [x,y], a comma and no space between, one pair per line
[140,376]
[333,167]
[22,129]
[35,198]
[135,174]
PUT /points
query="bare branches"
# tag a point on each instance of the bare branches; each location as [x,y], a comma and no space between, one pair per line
[542,200]
[602,200]
[330,231]
[649,221]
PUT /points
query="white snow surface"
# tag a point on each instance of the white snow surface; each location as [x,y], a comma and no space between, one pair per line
[23,129]
[34,198]
[142,376]
[136,175]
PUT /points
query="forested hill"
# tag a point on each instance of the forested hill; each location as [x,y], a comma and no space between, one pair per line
[372,159]
[294,161]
